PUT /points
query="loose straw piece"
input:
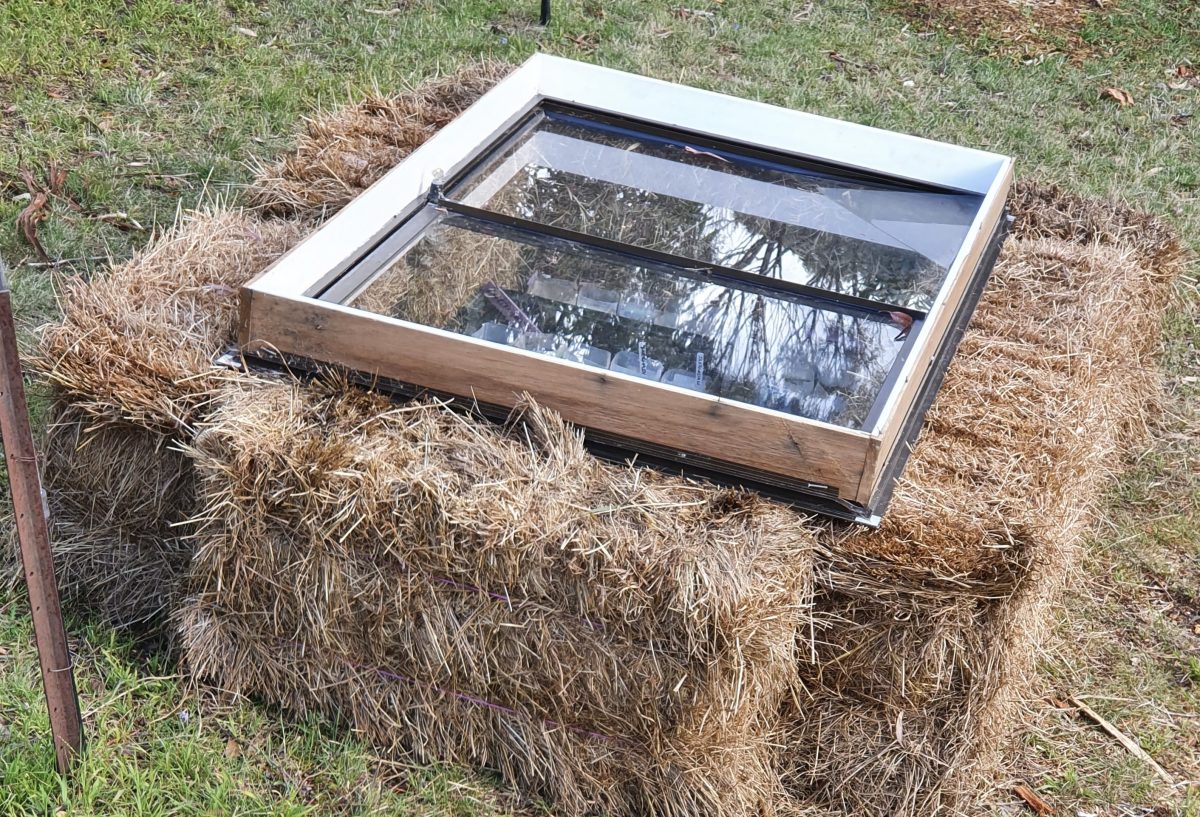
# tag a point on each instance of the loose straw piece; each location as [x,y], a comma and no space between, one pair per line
[1129,743]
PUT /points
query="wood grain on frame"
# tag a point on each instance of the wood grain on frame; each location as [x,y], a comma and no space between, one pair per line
[603,400]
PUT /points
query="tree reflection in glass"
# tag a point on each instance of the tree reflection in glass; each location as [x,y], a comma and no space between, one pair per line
[694,332]
[870,240]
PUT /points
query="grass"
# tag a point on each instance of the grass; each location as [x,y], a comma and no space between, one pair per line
[158,105]
[159,746]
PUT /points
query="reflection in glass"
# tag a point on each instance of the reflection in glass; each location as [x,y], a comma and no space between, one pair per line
[870,240]
[654,321]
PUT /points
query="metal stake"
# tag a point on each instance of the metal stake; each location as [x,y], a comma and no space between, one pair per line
[30,510]
[545,18]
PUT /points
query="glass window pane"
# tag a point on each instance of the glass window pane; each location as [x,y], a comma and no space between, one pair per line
[885,243]
[665,324]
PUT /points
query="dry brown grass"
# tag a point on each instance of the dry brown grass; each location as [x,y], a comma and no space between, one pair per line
[1025,28]
[611,636]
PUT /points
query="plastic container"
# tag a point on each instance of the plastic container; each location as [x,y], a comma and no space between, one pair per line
[637,308]
[495,332]
[544,343]
[553,289]
[591,355]
[598,299]
[633,362]
[685,379]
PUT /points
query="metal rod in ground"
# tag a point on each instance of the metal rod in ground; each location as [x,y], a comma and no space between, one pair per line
[545,18]
[29,509]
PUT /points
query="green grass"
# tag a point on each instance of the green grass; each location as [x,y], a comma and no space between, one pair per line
[158,746]
[158,105]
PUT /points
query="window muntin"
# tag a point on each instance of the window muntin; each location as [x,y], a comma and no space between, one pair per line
[833,231]
[674,325]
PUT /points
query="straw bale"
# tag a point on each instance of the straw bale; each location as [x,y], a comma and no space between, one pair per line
[914,677]
[115,473]
[136,344]
[1042,396]
[1049,211]
[344,152]
[617,638]
[119,496]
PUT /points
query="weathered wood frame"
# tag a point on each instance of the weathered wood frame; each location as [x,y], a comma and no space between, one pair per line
[281,310]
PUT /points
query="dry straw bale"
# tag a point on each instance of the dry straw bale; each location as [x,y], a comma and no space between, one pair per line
[604,636]
[917,667]
[343,153]
[1048,211]
[136,344]
[115,473]
[119,496]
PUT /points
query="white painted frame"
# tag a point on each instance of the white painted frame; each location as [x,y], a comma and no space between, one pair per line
[318,260]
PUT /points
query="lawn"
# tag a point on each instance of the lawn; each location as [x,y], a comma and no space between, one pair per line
[155,106]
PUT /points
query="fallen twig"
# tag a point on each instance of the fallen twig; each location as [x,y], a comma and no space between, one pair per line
[84,259]
[1130,745]
[122,221]
[1033,800]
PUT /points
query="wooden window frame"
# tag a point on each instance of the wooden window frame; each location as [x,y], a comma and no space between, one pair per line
[850,471]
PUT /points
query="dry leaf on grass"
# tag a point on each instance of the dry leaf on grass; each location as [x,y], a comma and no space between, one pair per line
[40,195]
[586,42]
[1119,94]
[28,220]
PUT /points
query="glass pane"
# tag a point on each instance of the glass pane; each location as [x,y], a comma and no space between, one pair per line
[665,324]
[890,244]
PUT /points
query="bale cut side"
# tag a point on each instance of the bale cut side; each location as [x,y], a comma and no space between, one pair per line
[119,497]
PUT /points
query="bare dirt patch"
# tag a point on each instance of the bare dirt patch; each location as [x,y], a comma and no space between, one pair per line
[1023,28]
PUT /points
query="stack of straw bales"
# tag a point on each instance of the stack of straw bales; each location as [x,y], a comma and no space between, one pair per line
[613,639]
[131,369]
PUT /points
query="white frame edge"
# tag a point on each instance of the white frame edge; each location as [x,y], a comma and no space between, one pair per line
[338,242]
[979,233]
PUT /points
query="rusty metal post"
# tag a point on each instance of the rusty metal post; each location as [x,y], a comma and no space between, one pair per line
[29,510]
